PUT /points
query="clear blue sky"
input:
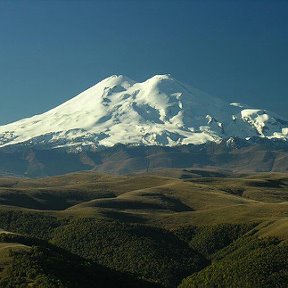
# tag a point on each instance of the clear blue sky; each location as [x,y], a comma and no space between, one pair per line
[52,50]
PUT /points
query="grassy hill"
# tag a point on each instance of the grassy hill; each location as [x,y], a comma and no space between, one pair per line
[174,227]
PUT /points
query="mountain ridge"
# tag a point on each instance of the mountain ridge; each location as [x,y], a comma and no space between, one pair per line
[236,156]
[159,111]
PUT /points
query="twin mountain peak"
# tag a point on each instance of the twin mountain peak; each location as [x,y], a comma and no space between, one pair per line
[158,111]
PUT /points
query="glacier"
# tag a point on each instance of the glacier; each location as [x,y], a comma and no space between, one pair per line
[159,111]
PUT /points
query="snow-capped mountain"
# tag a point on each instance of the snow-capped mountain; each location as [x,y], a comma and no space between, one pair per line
[159,111]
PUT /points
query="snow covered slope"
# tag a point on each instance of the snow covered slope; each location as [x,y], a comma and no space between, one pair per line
[159,111]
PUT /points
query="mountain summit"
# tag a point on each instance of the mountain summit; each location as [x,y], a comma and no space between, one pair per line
[159,111]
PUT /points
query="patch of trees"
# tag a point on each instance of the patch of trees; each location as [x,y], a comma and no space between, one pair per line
[85,252]
[35,224]
[47,266]
[249,262]
[207,240]
[147,252]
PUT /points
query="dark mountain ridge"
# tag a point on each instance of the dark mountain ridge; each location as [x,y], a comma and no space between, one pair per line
[233,154]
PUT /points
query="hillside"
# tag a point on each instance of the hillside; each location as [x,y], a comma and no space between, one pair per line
[150,229]
[235,156]
[30,262]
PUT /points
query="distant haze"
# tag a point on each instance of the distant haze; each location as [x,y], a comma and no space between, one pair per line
[52,50]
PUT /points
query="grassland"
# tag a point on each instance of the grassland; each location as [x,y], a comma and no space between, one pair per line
[150,230]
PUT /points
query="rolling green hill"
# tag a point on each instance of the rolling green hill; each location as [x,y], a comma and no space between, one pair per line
[193,228]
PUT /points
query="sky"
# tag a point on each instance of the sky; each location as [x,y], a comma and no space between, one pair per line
[50,51]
